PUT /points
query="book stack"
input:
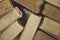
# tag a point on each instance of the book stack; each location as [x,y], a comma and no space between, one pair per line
[29,20]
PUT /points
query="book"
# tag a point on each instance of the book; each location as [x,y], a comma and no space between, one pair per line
[13,30]
[6,20]
[5,5]
[42,36]
[30,27]
[32,5]
[52,12]
[54,2]
[51,27]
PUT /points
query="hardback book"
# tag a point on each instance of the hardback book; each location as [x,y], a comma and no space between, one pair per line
[32,5]
[42,36]
[13,30]
[54,2]
[52,12]
[51,27]
[9,18]
[5,5]
[30,27]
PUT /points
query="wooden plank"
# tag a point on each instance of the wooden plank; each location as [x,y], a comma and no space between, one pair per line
[33,5]
[51,27]
[30,28]
[11,32]
[54,2]
[54,13]
[5,6]
[42,36]
[9,18]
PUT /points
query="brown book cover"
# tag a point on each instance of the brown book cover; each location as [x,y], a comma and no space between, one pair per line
[33,5]
[52,12]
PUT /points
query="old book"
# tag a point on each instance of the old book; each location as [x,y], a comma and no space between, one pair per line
[9,18]
[42,36]
[51,27]
[5,6]
[54,13]
[54,2]
[30,27]
[33,5]
[13,30]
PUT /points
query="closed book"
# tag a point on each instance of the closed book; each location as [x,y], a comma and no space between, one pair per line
[33,5]
[30,27]
[9,18]
[51,27]
[52,12]
[13,30]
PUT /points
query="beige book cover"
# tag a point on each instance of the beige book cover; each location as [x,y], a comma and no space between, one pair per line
[13,30]
[30,27]
[51,27]
[33,5]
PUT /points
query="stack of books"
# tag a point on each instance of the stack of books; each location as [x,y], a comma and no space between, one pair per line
[29,20]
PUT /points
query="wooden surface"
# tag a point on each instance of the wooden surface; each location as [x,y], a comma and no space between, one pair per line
[51,27]
[9,18]
[42,36]
[30,27]
[54,2]
[52,12]
[11,32]
[33,5]
[5,6]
